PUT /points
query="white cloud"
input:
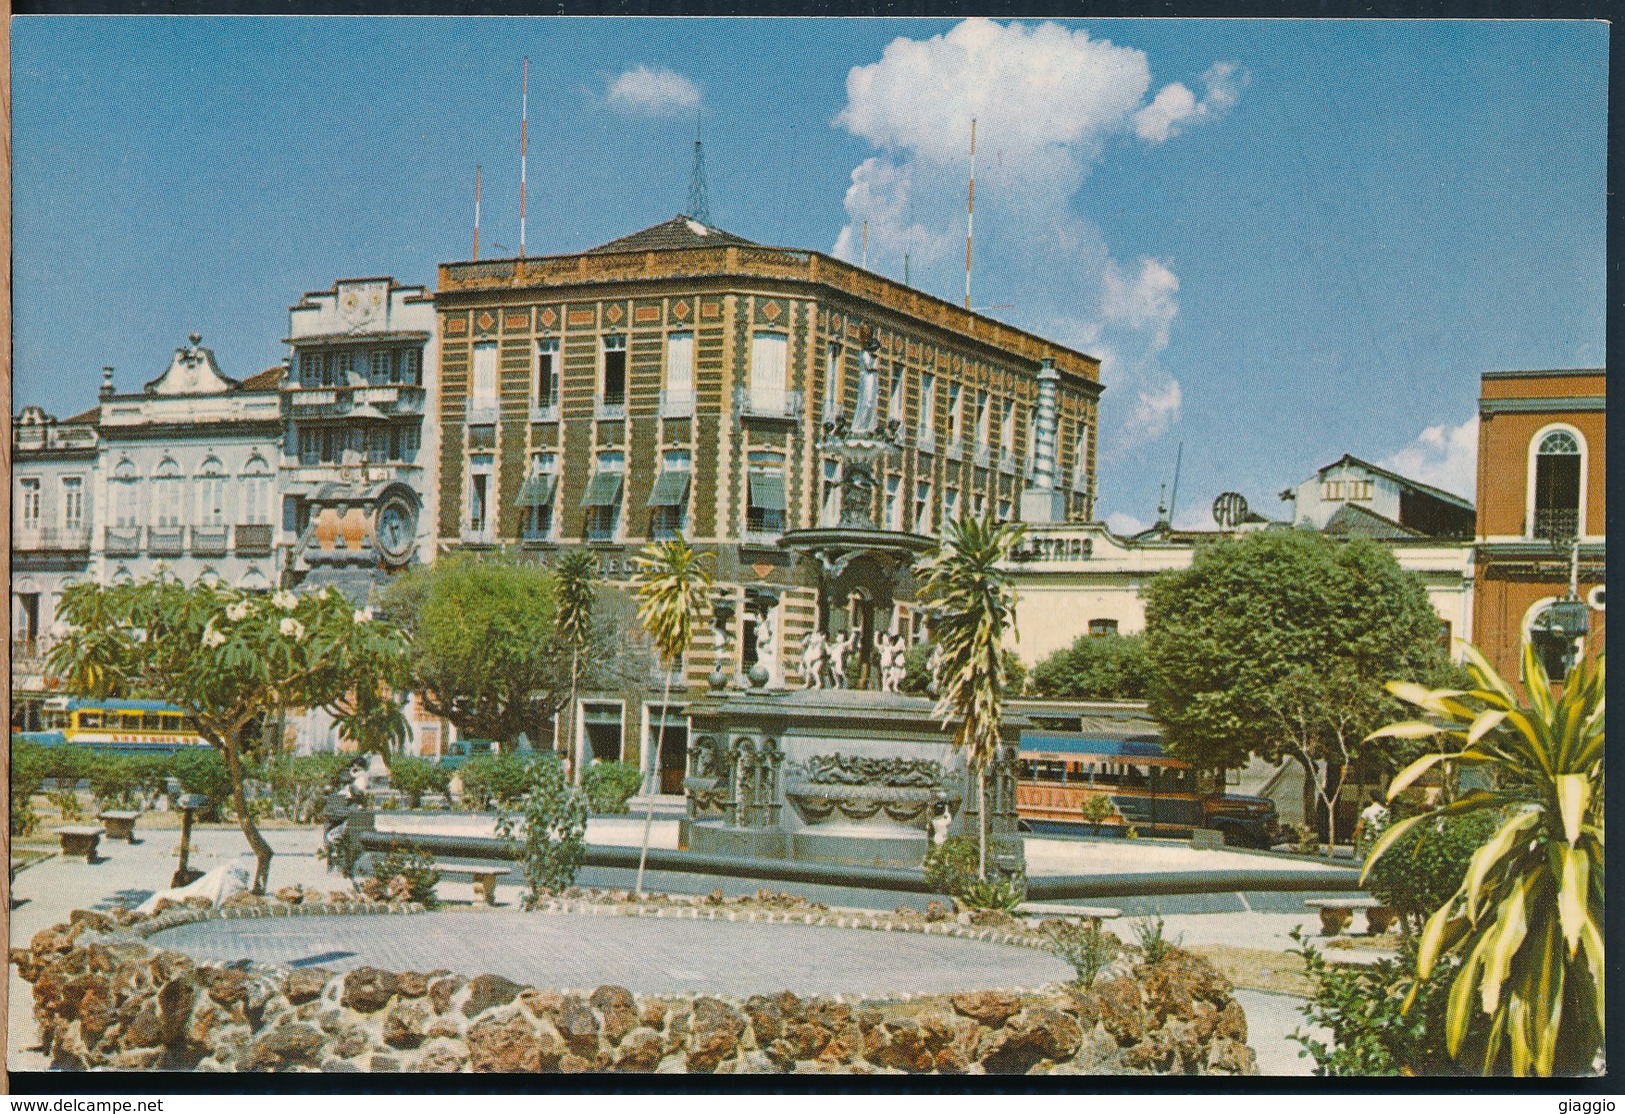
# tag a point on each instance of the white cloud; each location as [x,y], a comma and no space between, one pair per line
[1442,455]
[1175,106]
[1047,102]
[1125,525]
[654,91]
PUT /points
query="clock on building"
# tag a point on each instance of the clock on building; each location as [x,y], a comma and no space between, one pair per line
[395,528]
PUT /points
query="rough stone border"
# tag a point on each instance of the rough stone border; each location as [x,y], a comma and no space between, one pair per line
[175,918]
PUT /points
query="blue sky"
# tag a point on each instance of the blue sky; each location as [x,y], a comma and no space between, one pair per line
[1287,240]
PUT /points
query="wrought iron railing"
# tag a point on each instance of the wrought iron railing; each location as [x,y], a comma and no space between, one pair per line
[253,539]
[1558,524]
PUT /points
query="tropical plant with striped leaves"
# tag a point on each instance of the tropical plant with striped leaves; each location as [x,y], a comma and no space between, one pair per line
[1527,920]
[577,573]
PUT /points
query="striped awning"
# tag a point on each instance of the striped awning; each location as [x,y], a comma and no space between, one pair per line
[767,491]
[669,489]
[603,491]
[537,491]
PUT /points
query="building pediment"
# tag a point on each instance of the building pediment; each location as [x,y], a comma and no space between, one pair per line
[193,371]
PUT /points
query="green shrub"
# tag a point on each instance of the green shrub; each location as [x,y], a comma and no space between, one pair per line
[1000,892]
[414,777]
[28,765]
[1096,667]
[1422,871]
[202,770]
[549,834]
[917,671]
[951,865]
[415,865]
[298,785]
[1085,945]
[344,853]
[1361,1006]
[1097,809]
[113,780]
[1151,932]
[498,778]
[66,803]
[610,785]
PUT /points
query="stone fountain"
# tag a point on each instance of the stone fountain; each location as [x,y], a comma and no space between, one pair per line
[846,769]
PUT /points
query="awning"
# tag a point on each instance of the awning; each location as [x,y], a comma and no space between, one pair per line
[767,491]
[537,491]
[603,491]
[670,489]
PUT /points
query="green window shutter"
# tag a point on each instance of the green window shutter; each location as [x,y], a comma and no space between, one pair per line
[767,490]
[537,491]
[669,490]
[603,491]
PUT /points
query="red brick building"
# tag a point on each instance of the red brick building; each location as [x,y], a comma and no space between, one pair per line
[1542,502]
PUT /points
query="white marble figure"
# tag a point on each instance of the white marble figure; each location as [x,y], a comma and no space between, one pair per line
[838,649]
[941,820]
[767,644]
[891,661]
[863,418]
[937,664]
[814,653]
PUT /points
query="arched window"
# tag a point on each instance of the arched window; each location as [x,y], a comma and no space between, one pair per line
[126,494]
[211,493]
[1557,629]
[166,494]
[256,491]
[254,581]
[1558,468]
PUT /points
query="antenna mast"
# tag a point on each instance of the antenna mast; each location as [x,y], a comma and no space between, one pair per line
[1173,497]
[865,245]
[524,127]
[476,211]
[699,206]
[970,209]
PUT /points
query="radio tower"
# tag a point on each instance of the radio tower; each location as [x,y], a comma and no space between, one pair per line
[699,207]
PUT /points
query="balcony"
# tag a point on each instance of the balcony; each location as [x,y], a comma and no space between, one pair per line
[166,541]
[1557,524]
[50,539]
[677,403]
[773,404]
[123,541]
[547,413]
[984,456]
[253,539]
[956,448]
[609,406]
[210,541]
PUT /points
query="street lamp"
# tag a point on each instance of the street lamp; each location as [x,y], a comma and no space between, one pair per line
[189,803]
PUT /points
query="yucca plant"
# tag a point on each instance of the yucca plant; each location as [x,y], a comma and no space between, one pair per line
[972,608]
[577,573]
[673,586]
[1527,920]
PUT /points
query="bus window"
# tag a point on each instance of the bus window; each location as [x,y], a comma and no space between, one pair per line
[129,721]
[1107,774]
[188,725]
[170,723]
[152,721]
[89,720]
[1135,776]
[53,719]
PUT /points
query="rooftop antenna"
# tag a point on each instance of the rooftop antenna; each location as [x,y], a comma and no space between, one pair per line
[1162,504]
[699,206]
[524,127]
[970,209]
[1173,497]
[865,245]
[476,211]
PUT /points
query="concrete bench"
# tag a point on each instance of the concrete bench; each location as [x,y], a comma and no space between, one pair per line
[120,825]
[1337,912]
[80,839]
[1095,913]
[485,879]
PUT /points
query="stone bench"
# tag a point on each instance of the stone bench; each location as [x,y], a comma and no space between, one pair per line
[1094,913]
[80,839]
[1337,912]
[485,879]
[120,825]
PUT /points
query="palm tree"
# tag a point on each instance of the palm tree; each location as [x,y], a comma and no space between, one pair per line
[972,609]
[673,586]
[1527,921]
[577,573]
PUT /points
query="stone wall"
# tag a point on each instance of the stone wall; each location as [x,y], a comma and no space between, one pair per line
[104,997]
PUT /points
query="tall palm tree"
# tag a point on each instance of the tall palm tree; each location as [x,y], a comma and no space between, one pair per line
[577,573]
[673,586]
[972,608]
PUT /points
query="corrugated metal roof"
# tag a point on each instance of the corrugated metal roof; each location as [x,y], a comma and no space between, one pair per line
[1355,521]
[1089,743]
[679,232]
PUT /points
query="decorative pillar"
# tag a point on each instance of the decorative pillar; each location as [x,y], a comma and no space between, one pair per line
[1042,501]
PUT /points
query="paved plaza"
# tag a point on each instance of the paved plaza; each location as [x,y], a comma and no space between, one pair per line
[647,955]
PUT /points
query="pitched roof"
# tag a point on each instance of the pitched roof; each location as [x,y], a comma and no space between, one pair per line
[1355,521]
[679,232]
[89,417]
[1403,481]
[267,380]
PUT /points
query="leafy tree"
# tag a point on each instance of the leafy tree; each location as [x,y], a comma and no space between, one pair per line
[550,830]
[972,607]
[415,777]
[673,586]
[230,657]
[485,651]
[1096,667]
[609,785]
[1277,644]
[1526,923]
[577,573]
[502,778]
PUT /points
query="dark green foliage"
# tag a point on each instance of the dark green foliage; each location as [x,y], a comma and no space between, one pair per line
[1361,1005]
[298,785]
[1151,933]
[917,671]
[203,770]
[951,869]
[1096,667]
[415,865]
[549,834]
[1423,869]
[29,764]
[496,778]
[1097,809]
[1084,944]
[414,777]
[344,853]
[1001,892]
[609,785]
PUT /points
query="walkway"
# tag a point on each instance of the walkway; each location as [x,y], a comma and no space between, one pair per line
[643,954]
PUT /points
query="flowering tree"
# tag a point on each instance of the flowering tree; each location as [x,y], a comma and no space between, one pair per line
[235,659]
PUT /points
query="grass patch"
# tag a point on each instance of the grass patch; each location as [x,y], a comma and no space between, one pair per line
[24,857]
[1258,968]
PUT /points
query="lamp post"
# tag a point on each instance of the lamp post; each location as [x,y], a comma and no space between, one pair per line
[189,803]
